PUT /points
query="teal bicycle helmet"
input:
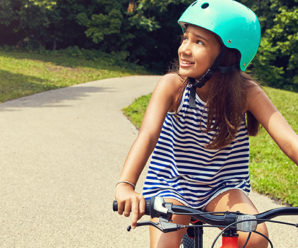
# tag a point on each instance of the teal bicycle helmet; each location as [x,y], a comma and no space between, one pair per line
[236,25]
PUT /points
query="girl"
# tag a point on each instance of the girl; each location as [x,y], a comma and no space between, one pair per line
[198,121]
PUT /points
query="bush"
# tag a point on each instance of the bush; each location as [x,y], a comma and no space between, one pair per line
[144,32]
[277,59]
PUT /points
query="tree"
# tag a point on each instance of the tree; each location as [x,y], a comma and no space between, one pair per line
[42,23]
[22,18]
[276,60]
[145,31]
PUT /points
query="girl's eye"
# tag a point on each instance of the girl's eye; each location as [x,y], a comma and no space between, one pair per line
[199,42]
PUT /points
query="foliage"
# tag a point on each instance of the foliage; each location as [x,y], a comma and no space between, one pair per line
[145,31]
[137,31]
[26,19]
[150,35]
[39,23]
[277,58]
[106,26]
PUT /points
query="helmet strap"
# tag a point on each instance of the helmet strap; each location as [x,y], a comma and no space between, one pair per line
[207,75]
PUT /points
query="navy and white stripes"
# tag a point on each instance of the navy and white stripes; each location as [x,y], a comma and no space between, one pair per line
[182,168]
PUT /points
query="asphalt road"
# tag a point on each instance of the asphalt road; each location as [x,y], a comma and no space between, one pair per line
[61,152]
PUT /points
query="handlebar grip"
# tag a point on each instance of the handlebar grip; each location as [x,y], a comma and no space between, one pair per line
[115,206]
[147,207]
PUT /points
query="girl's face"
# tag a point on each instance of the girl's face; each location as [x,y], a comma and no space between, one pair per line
[197,52]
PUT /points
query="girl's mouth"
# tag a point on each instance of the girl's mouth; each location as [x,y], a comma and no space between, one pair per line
[185,63]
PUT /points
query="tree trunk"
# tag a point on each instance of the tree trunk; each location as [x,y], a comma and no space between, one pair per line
[131,6]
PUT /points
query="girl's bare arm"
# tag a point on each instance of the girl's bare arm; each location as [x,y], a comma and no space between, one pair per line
[265,112]
[161,101]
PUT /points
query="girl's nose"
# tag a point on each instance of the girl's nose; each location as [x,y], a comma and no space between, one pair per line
[185,48]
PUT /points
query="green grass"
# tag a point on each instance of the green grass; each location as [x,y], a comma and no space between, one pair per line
[272,172]
[25,73]
[135,112]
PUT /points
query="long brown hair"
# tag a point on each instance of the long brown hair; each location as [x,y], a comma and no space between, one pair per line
[226,103]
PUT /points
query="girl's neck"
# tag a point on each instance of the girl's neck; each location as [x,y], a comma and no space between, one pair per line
[204,91]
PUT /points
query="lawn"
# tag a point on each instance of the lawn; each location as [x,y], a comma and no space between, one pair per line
[272,173]
[25,73]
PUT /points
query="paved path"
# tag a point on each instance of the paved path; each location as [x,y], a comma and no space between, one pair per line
[61,153]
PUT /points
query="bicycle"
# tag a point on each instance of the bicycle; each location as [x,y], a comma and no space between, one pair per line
[230,222]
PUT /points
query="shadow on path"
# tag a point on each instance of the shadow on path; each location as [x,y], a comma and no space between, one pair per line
[53,98]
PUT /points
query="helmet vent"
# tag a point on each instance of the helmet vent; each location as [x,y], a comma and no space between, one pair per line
[194,3]
[205,5]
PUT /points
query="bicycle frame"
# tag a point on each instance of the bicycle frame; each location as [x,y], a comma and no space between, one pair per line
[229,238]
[229,242]
[197,235]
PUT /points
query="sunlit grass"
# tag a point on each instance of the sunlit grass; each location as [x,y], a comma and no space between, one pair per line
[26,73]
[272,172]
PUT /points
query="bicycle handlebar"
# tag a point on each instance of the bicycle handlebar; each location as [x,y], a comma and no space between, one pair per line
[147,207]
[157,207]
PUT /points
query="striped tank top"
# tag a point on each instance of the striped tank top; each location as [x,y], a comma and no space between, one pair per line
[182,168]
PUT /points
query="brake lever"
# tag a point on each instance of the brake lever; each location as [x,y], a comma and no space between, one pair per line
[166,226]
[163,225]
[145,223]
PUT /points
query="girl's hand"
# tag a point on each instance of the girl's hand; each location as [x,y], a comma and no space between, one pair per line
[129,201]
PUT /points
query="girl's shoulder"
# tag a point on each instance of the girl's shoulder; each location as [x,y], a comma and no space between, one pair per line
[170,87]
[253,88]
[170,84]
[254,91]
[172,79]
